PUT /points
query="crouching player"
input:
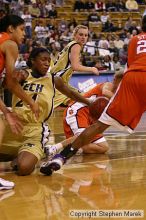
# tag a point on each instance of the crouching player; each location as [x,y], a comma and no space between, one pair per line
[77,117]
[38,84]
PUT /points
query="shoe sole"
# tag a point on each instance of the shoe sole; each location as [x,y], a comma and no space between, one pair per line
[8,187]
[48,170]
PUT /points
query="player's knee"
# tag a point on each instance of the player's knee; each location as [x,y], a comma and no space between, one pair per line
[24,168]
[93,148]
[104,149]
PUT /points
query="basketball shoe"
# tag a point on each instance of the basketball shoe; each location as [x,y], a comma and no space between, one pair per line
[51,151]
[5,184]
[55,164]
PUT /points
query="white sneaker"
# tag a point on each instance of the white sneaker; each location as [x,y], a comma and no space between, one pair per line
[51,150]
[5,184]
[55,164]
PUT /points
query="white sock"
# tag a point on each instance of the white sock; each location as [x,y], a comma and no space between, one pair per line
[58,146]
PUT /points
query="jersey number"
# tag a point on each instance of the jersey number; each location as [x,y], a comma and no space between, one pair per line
[20,103]
[141,46]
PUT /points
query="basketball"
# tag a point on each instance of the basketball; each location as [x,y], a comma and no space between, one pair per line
[97,107]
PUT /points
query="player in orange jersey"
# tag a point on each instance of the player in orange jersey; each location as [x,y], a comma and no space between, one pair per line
[125,108]
[77,118]
[12,33]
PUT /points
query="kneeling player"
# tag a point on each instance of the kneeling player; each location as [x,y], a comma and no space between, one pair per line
[77,118]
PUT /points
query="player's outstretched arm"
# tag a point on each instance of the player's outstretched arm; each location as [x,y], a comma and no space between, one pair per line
[84,138]
[75,61]
[63,88]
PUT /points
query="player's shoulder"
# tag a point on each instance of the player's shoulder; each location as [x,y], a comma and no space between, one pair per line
[10,44]
[74,44]
[141,36]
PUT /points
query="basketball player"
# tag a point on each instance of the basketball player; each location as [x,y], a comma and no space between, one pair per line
[39,85]
[11,35]
[69,61]
[12,32]
[127,105]
[77,118]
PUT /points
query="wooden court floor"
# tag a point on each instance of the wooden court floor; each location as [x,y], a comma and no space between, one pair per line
[115,181]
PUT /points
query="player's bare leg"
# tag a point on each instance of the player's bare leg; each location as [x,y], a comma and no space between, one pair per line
[59,159]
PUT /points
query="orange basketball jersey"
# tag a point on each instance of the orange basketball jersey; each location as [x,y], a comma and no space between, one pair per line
[137,53]
[3,37]
[77,118]
[97,90]
[129,103]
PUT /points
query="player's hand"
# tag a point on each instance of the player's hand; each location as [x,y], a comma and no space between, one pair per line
[35,109]
[95,70]
[14,122]
[20,75]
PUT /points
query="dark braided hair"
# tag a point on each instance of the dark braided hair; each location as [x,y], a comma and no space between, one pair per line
[34,53]
[8,20]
